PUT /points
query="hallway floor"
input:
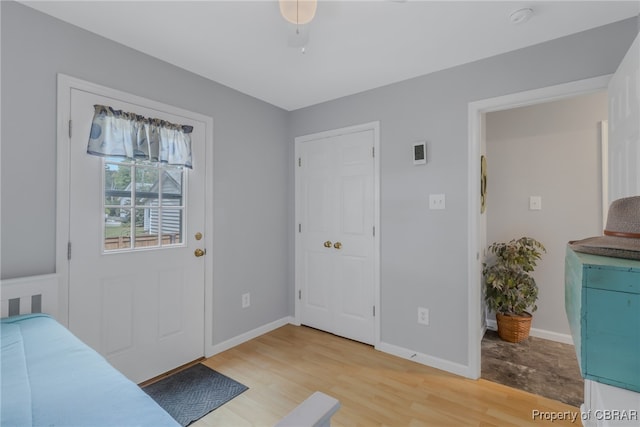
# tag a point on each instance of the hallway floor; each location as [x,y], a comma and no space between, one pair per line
[536,365]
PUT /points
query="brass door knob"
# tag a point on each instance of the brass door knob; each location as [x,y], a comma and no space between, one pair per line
[337,245]
[327,244]
[199,252]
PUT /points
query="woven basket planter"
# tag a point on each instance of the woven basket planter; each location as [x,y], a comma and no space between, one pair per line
[513,328]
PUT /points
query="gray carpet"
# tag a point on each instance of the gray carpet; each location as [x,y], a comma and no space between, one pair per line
[191,394]
[536,365]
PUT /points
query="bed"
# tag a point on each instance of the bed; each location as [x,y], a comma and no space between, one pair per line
[48,377]
[51,378]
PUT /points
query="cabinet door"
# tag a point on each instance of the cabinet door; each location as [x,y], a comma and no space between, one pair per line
[612,338]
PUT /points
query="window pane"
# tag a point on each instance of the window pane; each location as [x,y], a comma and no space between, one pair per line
[146,228]
[172,187]
[117,229]
[171,226]
[146,186]
[117,185]
[143,199]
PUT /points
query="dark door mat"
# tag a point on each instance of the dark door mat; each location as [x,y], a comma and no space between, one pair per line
[191,394]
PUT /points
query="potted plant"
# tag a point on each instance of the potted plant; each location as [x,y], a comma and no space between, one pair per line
[509,288]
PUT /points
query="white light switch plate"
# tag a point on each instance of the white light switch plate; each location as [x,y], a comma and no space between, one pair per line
[436,201]
[423,316]
[535,203]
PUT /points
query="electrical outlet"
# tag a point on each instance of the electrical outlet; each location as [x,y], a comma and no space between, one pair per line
[436,201]
[423,316]
[246,300]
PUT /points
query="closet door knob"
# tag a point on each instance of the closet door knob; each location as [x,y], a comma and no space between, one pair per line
[327,244]
[337,245]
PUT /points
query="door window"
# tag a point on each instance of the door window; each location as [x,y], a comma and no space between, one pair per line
[144,205]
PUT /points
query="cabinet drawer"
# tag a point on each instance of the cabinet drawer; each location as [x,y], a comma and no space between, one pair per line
[612,280]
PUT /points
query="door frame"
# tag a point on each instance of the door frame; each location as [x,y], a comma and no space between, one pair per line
[477,225]
[65,84]
[375,127]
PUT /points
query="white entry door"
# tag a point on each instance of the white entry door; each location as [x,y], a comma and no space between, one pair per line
[136,288]
[335,252]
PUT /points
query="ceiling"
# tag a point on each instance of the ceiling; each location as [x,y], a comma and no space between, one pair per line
[352,45]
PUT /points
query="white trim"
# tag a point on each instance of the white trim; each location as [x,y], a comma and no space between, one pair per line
[604,153]
[65,85]
[375,127]
[248,336]
[476,110]
[551,336]
[424,359]
[209,288]
[473,286]
[539,333]
[376,224]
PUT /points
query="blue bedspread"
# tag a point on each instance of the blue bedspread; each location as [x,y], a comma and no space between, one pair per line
[50,378]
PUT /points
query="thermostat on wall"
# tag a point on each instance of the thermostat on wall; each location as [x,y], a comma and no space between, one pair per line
[420,153]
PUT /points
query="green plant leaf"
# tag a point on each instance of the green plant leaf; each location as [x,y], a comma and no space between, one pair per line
[509,288]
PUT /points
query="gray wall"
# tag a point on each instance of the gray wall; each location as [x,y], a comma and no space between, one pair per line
[424,252]
[250,171]
[550,150]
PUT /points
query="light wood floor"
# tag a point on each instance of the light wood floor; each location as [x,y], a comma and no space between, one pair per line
[283,367]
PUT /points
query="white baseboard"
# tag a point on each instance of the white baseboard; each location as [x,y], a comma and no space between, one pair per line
[539,333]
[247,336]
[425,359]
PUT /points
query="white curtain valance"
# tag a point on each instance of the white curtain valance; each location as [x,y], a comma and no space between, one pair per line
[115,133]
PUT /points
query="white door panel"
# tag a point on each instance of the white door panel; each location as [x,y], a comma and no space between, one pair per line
[624,126]
[318,304]
[336,202]
[624,181]
[141,309]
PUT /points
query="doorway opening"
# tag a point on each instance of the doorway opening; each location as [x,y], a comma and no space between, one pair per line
[549,153]
[478,221]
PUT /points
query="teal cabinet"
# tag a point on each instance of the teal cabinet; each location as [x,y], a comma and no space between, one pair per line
[602,302]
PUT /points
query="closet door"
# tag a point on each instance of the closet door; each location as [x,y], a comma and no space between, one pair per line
[336,251]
